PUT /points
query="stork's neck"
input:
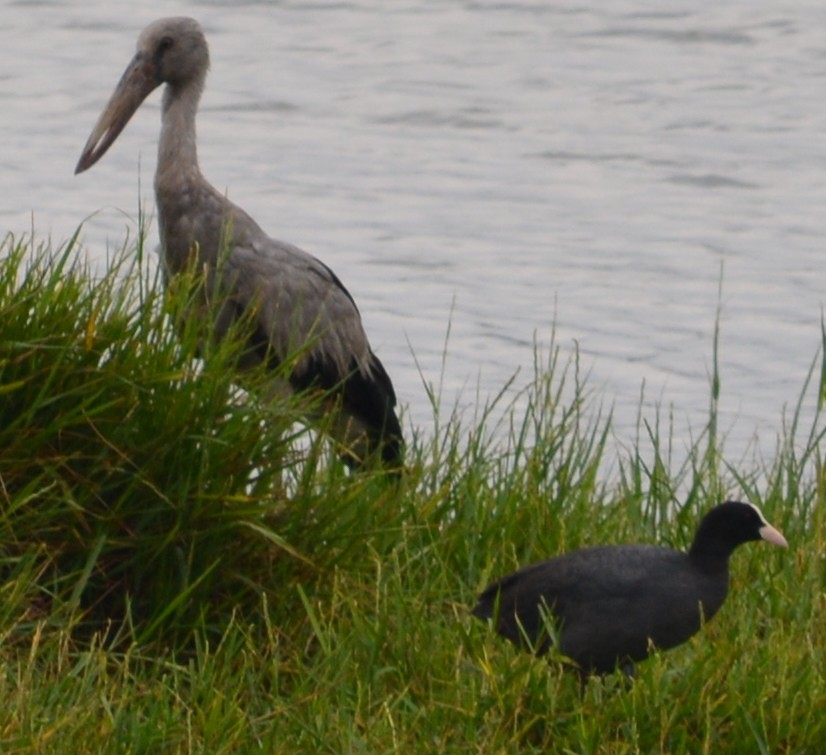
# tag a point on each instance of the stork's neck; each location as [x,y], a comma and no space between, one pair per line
[177,150]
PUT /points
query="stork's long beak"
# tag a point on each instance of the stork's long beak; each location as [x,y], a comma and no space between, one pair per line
[137,82]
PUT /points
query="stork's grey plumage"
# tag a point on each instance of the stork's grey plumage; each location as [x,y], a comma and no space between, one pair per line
[300,305]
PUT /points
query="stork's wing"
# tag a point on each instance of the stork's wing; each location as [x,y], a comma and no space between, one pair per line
[301,309]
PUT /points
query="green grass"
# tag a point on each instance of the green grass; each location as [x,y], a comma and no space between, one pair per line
[183,568]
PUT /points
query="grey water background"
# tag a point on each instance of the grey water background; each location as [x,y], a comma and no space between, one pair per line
[608,172]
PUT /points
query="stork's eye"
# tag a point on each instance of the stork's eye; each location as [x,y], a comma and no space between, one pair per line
[165,44]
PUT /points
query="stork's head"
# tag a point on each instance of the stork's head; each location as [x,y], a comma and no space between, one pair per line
[170,51]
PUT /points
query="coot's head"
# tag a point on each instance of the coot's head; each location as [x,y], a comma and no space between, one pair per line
[731,524]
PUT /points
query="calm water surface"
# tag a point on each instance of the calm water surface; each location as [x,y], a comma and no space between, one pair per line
[503,168]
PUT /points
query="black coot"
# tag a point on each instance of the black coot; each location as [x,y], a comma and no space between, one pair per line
[611,603]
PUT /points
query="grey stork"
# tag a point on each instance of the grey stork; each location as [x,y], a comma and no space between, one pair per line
[297,303]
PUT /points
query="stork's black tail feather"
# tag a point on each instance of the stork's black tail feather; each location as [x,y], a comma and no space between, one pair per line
[375,407]
[368,400]
[368,428]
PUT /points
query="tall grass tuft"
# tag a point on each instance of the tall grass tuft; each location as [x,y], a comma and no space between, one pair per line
[143,486]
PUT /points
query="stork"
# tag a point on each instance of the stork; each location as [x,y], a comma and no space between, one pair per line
[298,304]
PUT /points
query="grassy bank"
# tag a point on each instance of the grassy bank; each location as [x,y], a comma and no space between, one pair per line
[185,569]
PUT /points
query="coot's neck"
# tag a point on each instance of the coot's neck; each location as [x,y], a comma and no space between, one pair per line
[712,562]
[710,552]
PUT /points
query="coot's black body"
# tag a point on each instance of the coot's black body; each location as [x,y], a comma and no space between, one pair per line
[611,603]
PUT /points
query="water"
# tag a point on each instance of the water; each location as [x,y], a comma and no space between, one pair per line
[508,168]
